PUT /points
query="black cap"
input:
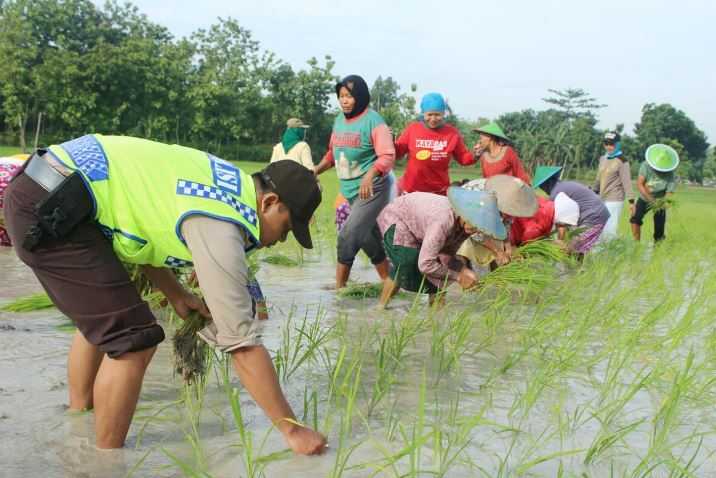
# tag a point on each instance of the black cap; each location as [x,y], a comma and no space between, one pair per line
[298,189]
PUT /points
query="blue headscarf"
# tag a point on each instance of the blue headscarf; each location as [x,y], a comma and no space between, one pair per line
[433,102]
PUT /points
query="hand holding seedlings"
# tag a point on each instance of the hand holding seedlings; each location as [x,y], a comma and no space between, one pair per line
[466,278]
[186,303]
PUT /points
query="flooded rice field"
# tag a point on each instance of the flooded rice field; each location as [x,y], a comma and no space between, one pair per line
[608,370]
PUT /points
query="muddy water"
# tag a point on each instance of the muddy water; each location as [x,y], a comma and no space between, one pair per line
[38,437]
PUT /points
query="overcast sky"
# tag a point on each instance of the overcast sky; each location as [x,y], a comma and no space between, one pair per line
[491,57]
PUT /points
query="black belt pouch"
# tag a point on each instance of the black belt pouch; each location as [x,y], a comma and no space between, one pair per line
[65,208]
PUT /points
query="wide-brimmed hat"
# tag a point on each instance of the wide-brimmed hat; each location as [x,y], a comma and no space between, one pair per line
[514,197]
[543,173]
[479,209]
[296,123]
[493,129]
[662,158]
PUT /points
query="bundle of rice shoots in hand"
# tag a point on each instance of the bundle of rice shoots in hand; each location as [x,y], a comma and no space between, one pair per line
[156,300]
[531,268]
[543,248]
[191,353]
[30,303]
[531,273]
[662,204]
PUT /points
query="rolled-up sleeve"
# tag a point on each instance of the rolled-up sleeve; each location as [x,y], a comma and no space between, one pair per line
[429,259]
[462,155]
[384,148]
[328,157]
[217,249]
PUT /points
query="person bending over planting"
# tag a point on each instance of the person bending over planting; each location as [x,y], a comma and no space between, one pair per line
[423,231]
[593,214]
[656,183]
[81,208]
[514,199]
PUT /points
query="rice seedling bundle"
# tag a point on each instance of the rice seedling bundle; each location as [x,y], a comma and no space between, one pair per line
[280,260]
[29,304]
[190,351]
[532,266]
[661,204]
[544,248]
[531,273]
[363,290]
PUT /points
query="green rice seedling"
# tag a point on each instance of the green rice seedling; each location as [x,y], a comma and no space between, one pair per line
[299,345]
[310,404]
[349,390]
[30,303]
[531,274]
[155,300]
[663,203]
[130,473]
[363,290]
[605,440]
[451,342]
[667,415]
[252,468]
[191,353]
[157,416]
[185,467]
[279,259]
[254,463]
[543,248]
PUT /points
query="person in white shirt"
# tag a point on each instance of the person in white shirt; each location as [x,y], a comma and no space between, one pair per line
[293,145]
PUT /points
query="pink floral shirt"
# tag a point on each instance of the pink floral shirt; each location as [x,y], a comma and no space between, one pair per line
[427,222]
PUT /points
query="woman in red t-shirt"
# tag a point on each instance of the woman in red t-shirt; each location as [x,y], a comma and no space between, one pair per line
[496,155]
[429,144]
[525,229]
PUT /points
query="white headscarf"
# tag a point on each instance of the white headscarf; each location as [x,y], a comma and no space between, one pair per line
[566,210]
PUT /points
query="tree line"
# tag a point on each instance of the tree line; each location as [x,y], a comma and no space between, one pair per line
[69,67]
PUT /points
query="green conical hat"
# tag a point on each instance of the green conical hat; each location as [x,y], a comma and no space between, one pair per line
[662,158]
[543,173]
[493,129]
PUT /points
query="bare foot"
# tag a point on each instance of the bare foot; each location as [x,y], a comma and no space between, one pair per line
[305,441]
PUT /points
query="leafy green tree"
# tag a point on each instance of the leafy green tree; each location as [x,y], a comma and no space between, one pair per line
[567,137]
[710,164]
[573,102]
[384,93]
[226,92]
[31,33]
[306,94]
[396,108]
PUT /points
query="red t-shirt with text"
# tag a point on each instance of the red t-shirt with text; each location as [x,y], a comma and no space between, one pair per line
[429,152]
